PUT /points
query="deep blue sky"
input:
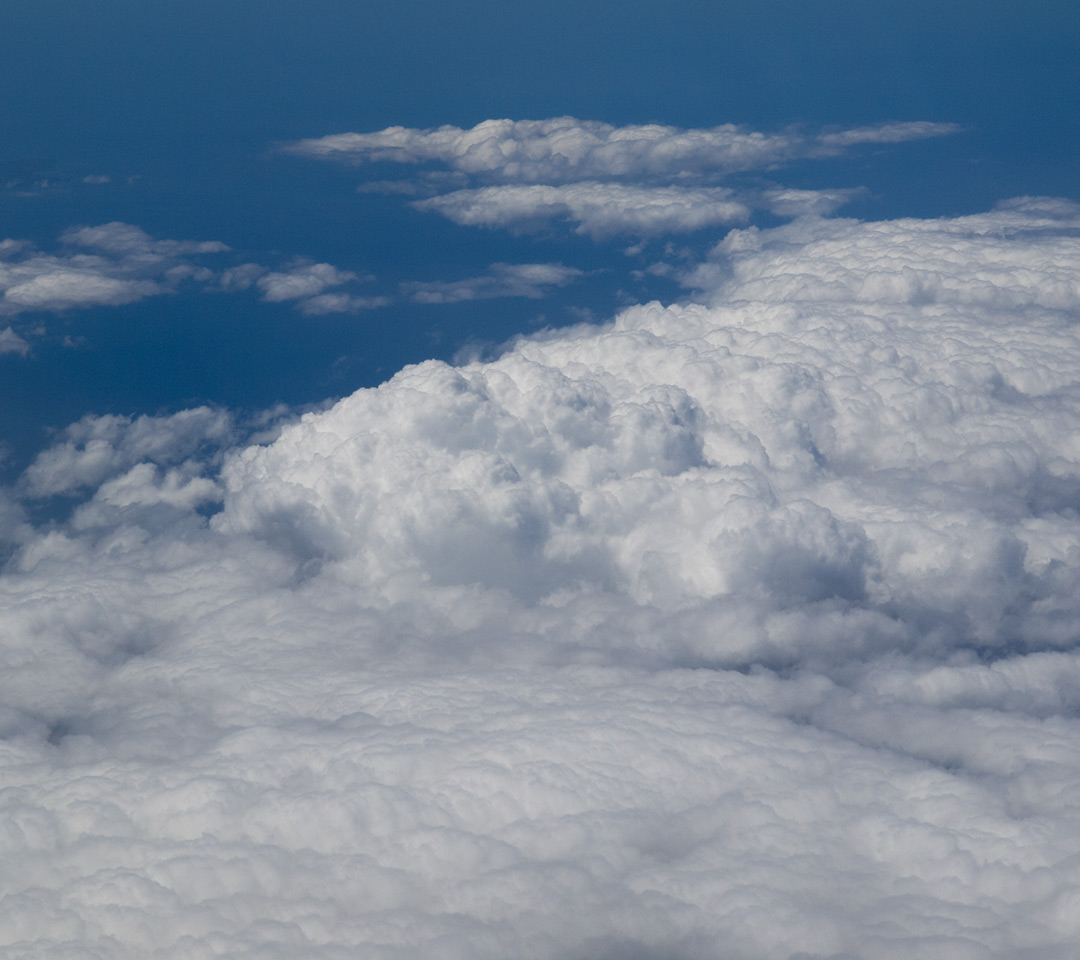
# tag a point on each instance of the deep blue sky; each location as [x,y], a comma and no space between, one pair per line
[190,96]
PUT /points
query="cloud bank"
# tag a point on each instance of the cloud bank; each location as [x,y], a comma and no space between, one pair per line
[641,179]
[742,627]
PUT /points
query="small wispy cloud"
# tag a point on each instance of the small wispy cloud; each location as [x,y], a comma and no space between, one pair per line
[531,280]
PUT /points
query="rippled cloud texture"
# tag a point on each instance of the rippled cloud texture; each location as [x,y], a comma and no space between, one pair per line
[740,628]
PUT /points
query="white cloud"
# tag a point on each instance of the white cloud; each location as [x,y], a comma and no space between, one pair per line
[301,280]
[99,447]
[326,303]
[11,342]
[530,280]
[911,260]
[126,265]
[738,627]
[638,179]
[565,148]
[789,202]
[241,277]
[598,209]
[131,241]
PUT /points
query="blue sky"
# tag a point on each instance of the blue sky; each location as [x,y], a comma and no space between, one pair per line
[181,105]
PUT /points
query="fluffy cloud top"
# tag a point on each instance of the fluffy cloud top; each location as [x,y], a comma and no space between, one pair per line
[638,179]
[740,627]
[565,148]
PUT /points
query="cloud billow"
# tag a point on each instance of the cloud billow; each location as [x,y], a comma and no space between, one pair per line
[737,627]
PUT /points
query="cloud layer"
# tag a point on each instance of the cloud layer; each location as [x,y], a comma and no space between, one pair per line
[742,627]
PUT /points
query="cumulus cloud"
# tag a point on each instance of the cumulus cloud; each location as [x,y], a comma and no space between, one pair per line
[118,263]
[861,262]
[565,148]
[532,280]
[304,283]
[131,241]
[124,265]
[301,280]
[99,447]
[638,179]
[744,626]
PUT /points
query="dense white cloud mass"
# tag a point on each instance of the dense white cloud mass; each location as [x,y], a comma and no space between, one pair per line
[565,148]
[740,628]
[639,179]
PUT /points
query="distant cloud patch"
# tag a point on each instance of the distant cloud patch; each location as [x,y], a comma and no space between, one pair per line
[531,280]
[640,180]
[119,263]
[301,280]
[598,209]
